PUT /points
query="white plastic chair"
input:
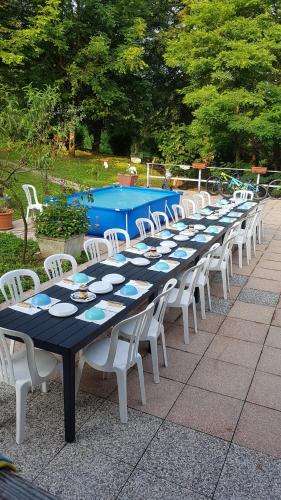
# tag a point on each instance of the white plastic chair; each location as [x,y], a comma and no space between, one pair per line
[178,212]
[142,224]
[156,328]
[243,195]
[112,236]
[183,297]
[221,263]
[233,230]
[12,290]
[24,370]
[93,249]
[245,237]
[207,198]
[188,206]
[53,265]
[32,204]
[158,217]
[199,201]
[118,356]
[259,222]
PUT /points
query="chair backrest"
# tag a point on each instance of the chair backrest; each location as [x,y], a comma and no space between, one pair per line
[11,284]
[142,224]
[207,197]
[234,229]
[6,359]
[251,223]
[112,236]
[243,194]
[53,265]
[226,248]
[157,217]
[207,256]
[29,192]
[142,321]
[199,201]
[188,206]
[93,248]
[178,212]
[160,302]
[194,271]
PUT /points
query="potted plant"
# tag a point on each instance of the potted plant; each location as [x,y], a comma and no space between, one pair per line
[6,213]
[60,228]
[129,178]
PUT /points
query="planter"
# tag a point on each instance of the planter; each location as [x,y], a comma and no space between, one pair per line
[259,170]
[199,166]
[49,246]
[127,179]
[6,220]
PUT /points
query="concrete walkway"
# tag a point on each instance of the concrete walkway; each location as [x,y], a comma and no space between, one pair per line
[210,429]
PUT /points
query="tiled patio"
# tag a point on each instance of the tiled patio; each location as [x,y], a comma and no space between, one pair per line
[210,429]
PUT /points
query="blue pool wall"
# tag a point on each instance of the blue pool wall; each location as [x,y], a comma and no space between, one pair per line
[102,218]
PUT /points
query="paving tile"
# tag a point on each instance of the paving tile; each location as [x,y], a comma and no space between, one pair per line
[270,360]
[252,312]
[223,378]
[259,297]
[270,256]
[198,341]
[79,472]
[180,364]
[244,330]
[276,321]
[259,428]
[184,456]
[95,382]
[207,412]
[274,247]
[265,390]
[159,397]
[260,272]
[217,291]
[104,433]
[246,270]
[235,280]
[273,338]
[270,264]
[221,306]
[45,412]
[264,284]
[249,475]
[234,351]
[210,324]
[143,485]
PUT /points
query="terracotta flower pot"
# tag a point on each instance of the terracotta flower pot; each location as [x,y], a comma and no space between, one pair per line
[127,179]
[259,170]
[6,220]
[199,166]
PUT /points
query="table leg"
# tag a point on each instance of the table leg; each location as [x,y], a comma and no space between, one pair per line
[69,395]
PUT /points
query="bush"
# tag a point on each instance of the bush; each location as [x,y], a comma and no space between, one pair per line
[59,220]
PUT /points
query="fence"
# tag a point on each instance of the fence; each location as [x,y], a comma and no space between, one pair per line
[199,179]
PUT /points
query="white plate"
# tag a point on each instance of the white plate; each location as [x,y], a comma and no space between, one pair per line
[114,279]
[140,261]
[163,249]
[63,309]
[181,237]
[101,287]
[212,217]
[170,244]
[75,296]
[200,227]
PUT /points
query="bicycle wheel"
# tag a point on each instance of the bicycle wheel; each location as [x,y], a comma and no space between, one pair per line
[274,189]
[227,189]
[260,192]
[214,185]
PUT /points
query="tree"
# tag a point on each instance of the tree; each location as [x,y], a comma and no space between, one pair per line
[229,54]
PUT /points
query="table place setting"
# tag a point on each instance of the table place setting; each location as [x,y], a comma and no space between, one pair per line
[183,253]
[196,216]
[234,214]
[101,312]
[202,238]
[139,248]
[165,234]
[214,229]
[227,220]
[134,289]
[75,281]
[164,266]
[117,260]
[35,304]
[179,226]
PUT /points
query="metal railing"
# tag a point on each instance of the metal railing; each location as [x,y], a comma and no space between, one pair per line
[197,180]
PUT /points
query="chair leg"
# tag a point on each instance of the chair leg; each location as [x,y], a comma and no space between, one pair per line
[163,341]
[21,397]
[78,374]
[27,213]
[12,346]
[202,301]
[154,359]
[209,295]
[185,324]
[224,284]
[248,251]
[240,255]
[194,315]
[141,379]
[122,395]
[44,387]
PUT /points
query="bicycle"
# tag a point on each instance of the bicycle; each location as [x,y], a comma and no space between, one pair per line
[225,184]
[274,189]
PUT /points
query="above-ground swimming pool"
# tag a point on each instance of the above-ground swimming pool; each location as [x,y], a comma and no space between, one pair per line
[121,206]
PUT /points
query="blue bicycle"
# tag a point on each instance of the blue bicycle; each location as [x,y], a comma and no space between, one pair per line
[225,184]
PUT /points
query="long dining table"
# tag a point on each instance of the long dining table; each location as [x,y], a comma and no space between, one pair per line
[66,336]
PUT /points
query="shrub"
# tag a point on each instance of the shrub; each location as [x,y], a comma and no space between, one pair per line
[59,220]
